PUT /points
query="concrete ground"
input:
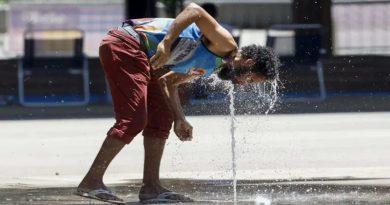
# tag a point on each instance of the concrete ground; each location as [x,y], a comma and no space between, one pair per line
[283,159]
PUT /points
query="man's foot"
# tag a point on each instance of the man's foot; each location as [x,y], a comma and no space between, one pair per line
[95,189]
[150,194]
[101,195]
[91,184]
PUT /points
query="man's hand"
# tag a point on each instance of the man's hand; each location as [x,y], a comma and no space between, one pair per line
[162,55]
[183,130]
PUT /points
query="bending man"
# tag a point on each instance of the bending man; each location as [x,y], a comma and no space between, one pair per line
[145,60]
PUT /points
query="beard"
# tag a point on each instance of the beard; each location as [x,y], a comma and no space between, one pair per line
[227,72]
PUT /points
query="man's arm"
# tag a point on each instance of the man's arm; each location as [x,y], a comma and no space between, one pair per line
[169,84]
[218,36]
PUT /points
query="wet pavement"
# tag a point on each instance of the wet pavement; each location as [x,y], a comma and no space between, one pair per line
[281,159]
[220,192]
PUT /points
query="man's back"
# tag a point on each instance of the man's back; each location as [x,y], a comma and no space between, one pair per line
[187,52]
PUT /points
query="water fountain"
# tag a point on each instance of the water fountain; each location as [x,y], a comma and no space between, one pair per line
[268,94]
[233,142]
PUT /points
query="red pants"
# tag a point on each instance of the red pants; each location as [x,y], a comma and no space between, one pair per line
[138,100]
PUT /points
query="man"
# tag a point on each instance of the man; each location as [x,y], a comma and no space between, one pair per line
[144,62]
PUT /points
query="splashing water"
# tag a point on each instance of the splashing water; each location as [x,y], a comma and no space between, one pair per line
[268,93]
[262,201]
[233,142]
[273,92]
[264,98]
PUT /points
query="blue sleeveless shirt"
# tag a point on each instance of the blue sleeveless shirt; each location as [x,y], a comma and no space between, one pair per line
[188,53]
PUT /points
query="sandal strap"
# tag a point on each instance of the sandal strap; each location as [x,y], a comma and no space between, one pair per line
[100,191]
[93,194]
[168,194]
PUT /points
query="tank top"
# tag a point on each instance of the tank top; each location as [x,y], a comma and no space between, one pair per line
[189,54]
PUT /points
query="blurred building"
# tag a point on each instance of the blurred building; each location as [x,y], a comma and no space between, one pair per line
[252,13]
[360,37]
[4,44]
[360,27]
[94,17]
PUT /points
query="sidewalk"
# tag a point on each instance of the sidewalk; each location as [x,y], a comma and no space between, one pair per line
[278,156]
[367,191]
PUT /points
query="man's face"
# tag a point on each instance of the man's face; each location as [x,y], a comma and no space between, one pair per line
[239,71]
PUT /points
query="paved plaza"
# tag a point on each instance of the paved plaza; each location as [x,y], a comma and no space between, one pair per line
[278,156]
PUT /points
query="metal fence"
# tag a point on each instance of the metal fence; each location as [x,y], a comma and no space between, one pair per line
[361,27]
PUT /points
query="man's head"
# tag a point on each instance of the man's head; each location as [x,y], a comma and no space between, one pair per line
[252,64]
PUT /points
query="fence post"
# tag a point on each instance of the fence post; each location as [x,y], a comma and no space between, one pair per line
[316,12]
[140,8]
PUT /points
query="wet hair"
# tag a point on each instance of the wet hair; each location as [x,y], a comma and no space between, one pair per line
[267,63]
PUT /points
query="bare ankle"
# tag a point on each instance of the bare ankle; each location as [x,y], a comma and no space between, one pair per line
[152,188]
[91,183]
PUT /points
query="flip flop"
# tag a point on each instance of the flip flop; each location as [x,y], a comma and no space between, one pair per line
[93,194]
[166,198]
